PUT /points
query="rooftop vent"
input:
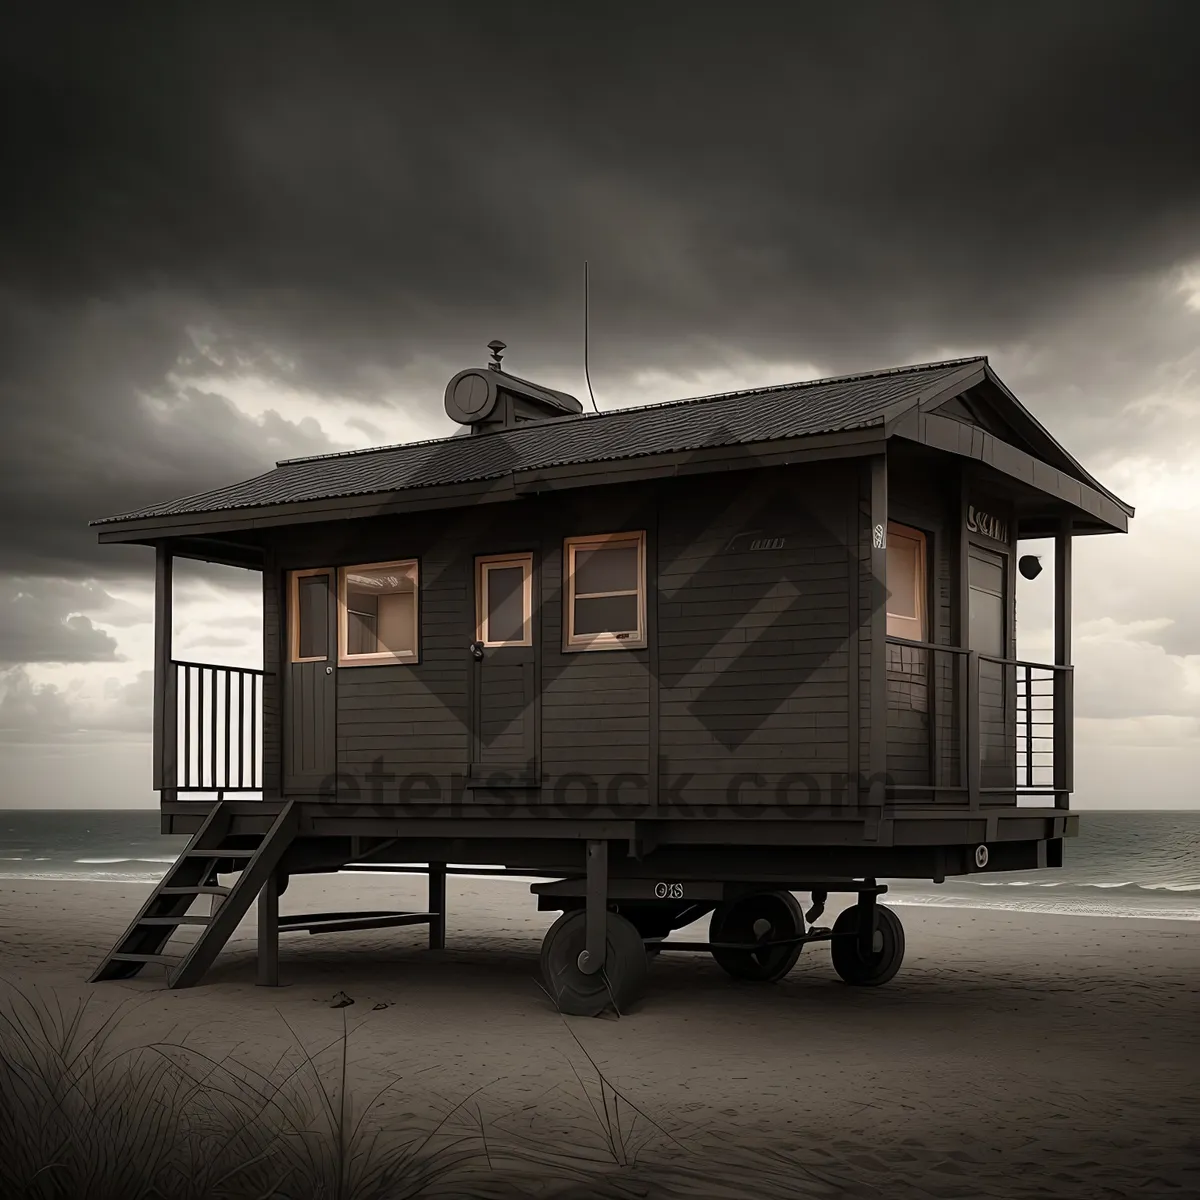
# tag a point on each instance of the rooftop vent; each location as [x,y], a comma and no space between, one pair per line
[487,399]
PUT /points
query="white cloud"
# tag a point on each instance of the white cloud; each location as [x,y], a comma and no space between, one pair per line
[55,701]
[344,422]
[1189,285]
[38,712]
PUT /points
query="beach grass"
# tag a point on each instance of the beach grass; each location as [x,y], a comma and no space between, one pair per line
[91,1113]
[164,1120]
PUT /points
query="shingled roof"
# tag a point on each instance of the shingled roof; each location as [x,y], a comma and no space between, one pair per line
[794,410]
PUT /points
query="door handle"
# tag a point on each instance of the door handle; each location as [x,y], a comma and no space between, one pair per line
[477,651]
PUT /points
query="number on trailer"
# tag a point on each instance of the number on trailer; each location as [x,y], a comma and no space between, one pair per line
[668,891]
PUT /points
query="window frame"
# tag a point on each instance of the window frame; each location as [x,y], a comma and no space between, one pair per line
[293,608]
[488,562]
[380,658]
[909,533]
[626,640]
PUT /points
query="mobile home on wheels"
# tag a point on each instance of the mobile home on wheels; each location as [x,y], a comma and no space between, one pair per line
[685,659]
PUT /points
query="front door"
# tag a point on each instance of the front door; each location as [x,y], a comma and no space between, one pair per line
[504,705]
[988,633]
[310,685]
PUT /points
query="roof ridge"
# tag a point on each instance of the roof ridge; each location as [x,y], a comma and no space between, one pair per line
[592,416]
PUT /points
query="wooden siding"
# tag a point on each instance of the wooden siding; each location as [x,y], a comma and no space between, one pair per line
[753,623]
[753,696]
[402,730]
[595,742]
[866,593]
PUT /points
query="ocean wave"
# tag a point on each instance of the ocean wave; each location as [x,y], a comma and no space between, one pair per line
[1126,886]
[79,877]
[112,861]
[1079,908]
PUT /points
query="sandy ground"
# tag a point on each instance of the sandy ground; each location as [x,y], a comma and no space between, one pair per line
[1014,1055]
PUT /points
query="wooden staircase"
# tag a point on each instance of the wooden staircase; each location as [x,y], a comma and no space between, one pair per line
[167,908]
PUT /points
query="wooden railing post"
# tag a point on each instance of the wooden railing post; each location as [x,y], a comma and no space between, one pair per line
[1064,706]
[972,747]
[1028,726]
[164,727]
[220,751]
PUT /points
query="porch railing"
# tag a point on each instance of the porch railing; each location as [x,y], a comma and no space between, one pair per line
[212,728]
[1030,710]
[997,727]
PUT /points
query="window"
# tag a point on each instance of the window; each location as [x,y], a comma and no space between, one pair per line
[906,583]
[378,607]
[606,592]
[504,600]
[308,605]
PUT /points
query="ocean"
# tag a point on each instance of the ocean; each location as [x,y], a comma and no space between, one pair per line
[1123,864]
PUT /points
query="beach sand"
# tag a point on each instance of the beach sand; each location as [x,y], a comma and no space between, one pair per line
[1016,1054]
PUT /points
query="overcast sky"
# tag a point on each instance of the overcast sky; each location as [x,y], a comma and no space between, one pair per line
[233,234]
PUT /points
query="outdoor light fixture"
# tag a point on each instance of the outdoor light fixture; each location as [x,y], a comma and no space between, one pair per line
[1030,565]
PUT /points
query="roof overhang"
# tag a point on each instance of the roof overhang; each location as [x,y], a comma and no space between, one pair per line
[1050,474]
[1092,509]
[849,443]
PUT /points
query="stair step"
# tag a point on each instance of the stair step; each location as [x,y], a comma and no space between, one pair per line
[187,966]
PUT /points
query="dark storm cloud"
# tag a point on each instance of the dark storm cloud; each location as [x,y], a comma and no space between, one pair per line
[355,186]
[91,430]
[333,193]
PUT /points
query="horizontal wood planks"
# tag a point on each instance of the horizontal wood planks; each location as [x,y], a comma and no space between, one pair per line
[753,605]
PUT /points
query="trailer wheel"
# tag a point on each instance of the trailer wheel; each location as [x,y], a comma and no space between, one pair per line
[884,961]
[762,917]
[620,982]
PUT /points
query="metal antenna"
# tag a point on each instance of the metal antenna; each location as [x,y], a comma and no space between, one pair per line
[586,372]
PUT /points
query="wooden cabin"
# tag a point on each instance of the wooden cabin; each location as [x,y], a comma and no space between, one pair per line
[685,658]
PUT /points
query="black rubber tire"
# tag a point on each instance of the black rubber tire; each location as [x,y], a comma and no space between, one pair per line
[883,963]
[762,917]
[622,980]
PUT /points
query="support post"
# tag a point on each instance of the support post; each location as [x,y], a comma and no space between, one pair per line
[164,760]
[595,910]
[967,697]
[866,922]
[437,906]
[1064,706]
[268,932]
[877,774]
[973,748]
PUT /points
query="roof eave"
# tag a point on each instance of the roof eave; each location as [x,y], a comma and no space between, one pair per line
[1026,415]
[847,443]
[949,436]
